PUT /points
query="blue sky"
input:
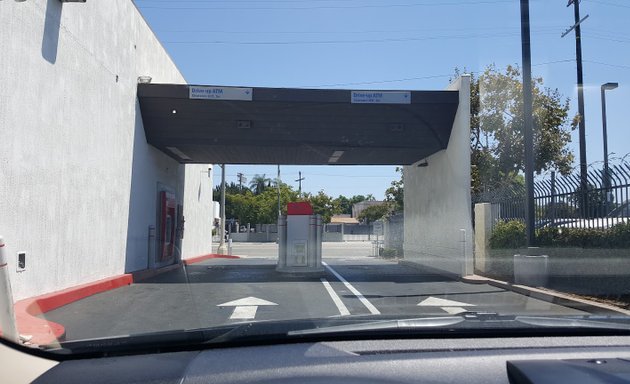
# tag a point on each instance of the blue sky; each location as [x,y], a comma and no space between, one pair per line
[395,44]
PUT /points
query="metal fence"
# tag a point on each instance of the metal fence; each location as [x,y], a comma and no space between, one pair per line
[561,202]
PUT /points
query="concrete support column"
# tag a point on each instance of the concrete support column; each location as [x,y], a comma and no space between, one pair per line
[483,230]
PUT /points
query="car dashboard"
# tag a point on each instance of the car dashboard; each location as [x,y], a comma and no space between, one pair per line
[450,360]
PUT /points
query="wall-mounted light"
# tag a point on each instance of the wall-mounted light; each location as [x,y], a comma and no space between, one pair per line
[144,79]
[423,163]
[72,1]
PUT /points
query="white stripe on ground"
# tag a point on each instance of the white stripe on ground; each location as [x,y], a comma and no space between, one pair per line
[454,310]
[245,312]
[352,289]
[343,310]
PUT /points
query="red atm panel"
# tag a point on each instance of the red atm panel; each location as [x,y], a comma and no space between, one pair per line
[168,221]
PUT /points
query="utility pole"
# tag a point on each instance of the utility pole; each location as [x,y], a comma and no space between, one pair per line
[300,178]
[528,123]
[241,179]
[222,248]
[580,89]
[278,184]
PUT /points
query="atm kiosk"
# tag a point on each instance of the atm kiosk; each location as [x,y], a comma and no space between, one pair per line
[300,240]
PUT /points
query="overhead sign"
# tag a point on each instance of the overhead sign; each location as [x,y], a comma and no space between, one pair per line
[380,97]
[220,93]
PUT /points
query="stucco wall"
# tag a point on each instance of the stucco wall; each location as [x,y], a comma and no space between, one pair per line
[394,231]
[198,211]
[437,199]
[72,138]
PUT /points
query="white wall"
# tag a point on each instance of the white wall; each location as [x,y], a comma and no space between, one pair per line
[72,137]
[437,199]
[198,211]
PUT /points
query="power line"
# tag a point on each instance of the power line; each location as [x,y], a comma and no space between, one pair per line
[514,29]
[416,78]
[607,64]
[609,3]
[408,5]
[376,82]
[362,41]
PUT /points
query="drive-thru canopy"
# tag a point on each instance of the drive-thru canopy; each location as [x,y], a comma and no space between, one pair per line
[234,125]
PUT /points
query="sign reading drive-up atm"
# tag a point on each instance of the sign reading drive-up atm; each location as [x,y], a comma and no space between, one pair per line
[380,97]
[220,93]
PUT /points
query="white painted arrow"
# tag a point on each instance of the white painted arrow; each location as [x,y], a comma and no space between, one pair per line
[451,306]
[245,308]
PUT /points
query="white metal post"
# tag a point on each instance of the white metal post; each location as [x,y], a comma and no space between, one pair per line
[7,316]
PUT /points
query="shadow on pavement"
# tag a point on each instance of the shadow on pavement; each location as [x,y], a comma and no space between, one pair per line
[266,273]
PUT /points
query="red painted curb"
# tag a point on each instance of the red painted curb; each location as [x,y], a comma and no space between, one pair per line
[198,259]
[47,332]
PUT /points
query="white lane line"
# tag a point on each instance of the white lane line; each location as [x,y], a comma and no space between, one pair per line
[244,313]
[343,310]
[352,289]
[454,310]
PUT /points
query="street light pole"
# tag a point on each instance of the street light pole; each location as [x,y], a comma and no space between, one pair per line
[278,185]
[606,87]
[528,123]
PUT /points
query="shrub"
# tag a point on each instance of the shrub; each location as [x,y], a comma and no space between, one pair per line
[509,234]
[617,236]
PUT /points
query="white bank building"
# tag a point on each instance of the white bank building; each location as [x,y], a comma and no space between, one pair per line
[106,151]
[83,196]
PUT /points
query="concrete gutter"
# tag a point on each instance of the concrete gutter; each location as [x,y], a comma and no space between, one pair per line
[550,296]
[43,332]
[547,295]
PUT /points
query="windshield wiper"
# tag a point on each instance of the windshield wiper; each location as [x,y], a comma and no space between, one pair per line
[380,325]
[143,341]
[285,330]
[469,320]
[569,322]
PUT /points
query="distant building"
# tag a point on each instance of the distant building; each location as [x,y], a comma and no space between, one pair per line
[359,207]
[343,219]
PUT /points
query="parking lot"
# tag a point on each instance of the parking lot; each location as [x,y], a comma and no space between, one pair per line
[219,291]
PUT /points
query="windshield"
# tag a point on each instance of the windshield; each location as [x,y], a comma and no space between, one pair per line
[231,171]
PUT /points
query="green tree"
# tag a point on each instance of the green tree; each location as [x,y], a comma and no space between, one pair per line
[259,183]
[374,212]
[396,193]
[497,143]
[323,205]
[345,204]
[231,188]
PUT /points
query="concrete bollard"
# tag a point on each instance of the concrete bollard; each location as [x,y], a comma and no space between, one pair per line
[531,268]
[282,242]
[7,316]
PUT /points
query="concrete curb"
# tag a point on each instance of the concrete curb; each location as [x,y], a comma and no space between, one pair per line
[549,296]
[45,332]
[198,259]
[536,293]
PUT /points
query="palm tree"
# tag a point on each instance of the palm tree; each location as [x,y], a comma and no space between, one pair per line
[259,183]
